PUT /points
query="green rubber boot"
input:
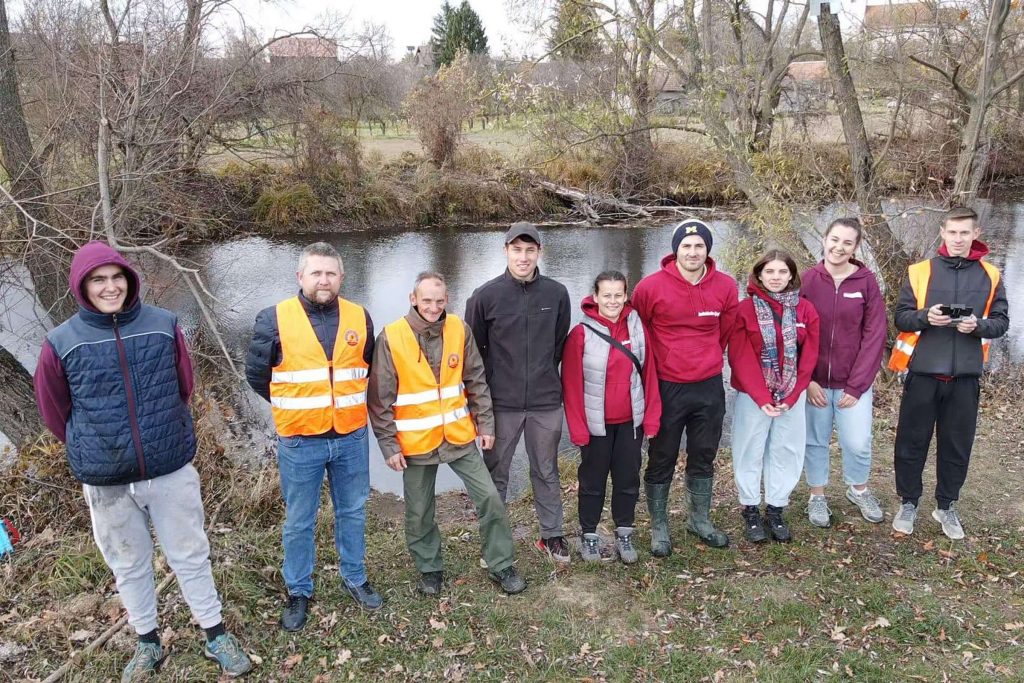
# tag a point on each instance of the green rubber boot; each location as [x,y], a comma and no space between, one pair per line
[657,505]
[700,508]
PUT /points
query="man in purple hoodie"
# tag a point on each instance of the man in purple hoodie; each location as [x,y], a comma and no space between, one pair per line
[113,384]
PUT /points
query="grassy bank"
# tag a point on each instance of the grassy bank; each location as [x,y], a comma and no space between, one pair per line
[850,603]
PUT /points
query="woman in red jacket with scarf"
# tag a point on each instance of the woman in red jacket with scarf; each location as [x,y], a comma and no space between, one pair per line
[610,389]
[772,353]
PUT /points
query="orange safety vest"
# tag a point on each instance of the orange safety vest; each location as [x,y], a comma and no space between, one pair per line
[428,411]
[309,394]
[919,274]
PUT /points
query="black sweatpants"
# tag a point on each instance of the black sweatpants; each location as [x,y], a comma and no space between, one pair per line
[698,409]
[950,409]
[617,452]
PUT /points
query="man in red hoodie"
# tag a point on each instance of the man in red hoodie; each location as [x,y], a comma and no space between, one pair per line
[944,347]
[689,306]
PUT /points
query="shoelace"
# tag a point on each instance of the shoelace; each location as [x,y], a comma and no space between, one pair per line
[592,544]
[626,542]
[907,511]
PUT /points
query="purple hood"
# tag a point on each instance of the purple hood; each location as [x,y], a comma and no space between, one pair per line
[90,257]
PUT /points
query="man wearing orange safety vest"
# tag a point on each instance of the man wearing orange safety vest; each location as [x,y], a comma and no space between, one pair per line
[310,358]
[429,404]
[943,347]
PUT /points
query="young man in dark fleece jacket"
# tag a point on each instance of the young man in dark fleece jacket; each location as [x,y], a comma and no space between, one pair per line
[113,383]
[412,351]
[940,393]
[520,320]
[690,308]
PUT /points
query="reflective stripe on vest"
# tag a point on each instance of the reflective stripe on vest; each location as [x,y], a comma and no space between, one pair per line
[428,412]
[310,395]
[919,274]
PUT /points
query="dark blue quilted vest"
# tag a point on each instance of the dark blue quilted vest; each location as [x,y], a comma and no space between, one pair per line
[128,422]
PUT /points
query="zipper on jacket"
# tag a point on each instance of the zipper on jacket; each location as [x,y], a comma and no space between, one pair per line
[526,316]
[956,299]
[133,419]
[832,332]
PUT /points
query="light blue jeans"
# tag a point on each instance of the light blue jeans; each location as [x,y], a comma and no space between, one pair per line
[302,461]
[767,449]
[854,427]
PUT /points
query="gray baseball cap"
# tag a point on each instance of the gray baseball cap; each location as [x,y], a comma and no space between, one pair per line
[522,229]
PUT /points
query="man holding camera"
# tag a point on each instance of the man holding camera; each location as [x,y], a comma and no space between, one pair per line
[948,309]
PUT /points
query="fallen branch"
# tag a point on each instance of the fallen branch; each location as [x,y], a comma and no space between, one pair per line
[597,207]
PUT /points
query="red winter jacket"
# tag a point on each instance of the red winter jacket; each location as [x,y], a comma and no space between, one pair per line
[746,344]
[853,328]
[690,325]
[617,404]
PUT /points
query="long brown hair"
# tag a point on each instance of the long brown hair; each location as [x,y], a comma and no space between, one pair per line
[777,255]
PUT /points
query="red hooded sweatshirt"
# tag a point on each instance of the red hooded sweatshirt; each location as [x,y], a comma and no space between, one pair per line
[51,386]
[618,406]
[746,344]
[690,325]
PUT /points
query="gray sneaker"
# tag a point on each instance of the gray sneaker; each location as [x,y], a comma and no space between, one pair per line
[903,520]
[226,651]
[950,522]
[144,664]
[624,544]
[818,512]
[870,509]
[590,548]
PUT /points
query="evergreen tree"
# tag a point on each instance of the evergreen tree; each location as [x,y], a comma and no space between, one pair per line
[457,30]
[571,21]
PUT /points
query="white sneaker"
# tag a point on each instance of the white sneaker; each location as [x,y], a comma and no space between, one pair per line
[950,522]
[818,512]
[868,504]
[903,520]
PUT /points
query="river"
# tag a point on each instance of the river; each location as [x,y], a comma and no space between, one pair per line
[251,273]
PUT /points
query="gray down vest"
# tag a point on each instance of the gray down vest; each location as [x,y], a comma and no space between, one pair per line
[128,422]
[595,365]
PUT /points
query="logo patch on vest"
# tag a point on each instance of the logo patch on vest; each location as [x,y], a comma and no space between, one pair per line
[453,360]
[351,337]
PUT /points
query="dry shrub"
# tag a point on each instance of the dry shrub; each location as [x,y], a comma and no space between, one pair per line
[290,207]
[439,106]
[445,198]
[692,174]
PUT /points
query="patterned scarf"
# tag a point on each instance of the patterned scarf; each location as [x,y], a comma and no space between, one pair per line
[779,377]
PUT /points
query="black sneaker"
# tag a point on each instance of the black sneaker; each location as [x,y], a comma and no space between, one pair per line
[776,524]
[364,595]
[753,525]
[509,580]
[556,547]
[430,583]
[294,616]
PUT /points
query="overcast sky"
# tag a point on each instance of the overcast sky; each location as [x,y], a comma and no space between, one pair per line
[407,21]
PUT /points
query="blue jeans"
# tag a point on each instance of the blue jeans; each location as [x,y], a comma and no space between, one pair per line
[767,450]
[854,427]
[301,462]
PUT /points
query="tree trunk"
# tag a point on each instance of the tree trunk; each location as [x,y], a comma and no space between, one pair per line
[19,419]
[45,259]
[890,255]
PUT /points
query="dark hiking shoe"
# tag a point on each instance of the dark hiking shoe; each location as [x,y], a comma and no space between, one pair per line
[430,583]
[753,525]
[776,524]
[294,616]
[509,580]
[226,651]
[364,595]
[144,663]
[556,547]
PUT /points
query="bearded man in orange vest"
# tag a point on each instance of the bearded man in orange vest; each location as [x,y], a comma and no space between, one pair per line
[429,404]
[310,358]
[949,308]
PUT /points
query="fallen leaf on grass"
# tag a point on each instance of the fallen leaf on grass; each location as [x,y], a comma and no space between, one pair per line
[290,663]
[343,657]
[437,625]
[1013,626]
[437,642]
[81,636]
[930,545]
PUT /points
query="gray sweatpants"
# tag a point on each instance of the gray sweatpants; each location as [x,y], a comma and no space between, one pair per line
[543,430]
[121,516]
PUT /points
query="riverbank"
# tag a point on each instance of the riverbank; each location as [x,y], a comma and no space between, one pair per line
[854,602]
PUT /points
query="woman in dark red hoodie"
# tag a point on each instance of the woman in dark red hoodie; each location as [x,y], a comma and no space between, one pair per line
[610,388]
[853,329]
[772,353]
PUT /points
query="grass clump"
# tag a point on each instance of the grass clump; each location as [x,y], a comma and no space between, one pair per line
[287,208]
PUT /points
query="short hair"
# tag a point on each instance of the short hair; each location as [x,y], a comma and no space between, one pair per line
[778,255]
[429,275]
[610,276]
[320,249]
[849,222]
[960,213]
